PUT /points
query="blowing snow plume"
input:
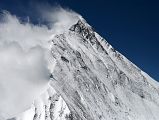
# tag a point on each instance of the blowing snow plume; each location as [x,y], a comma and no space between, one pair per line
[24,63]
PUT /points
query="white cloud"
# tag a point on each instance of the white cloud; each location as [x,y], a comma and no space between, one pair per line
[58,18]
[24,57]
[23,76]
[26,34]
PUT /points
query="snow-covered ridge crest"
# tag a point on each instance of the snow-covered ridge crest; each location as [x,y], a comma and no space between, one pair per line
[96,81]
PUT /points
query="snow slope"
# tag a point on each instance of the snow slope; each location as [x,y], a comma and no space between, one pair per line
[93,81]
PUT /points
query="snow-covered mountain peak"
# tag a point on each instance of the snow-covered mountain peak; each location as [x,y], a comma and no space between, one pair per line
[82,27]
[93,81]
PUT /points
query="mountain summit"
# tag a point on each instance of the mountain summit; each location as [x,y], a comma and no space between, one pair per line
[92,81]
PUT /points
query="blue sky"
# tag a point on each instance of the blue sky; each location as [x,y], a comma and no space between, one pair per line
[130,26]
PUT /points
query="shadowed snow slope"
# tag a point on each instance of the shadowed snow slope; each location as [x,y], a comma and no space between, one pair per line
[95,81]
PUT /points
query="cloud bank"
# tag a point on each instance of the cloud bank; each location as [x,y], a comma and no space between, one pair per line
[24,53]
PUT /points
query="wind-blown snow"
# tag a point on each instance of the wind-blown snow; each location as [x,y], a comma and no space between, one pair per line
[23,76]
[25,58]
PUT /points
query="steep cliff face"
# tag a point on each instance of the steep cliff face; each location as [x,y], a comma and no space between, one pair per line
[93,81]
